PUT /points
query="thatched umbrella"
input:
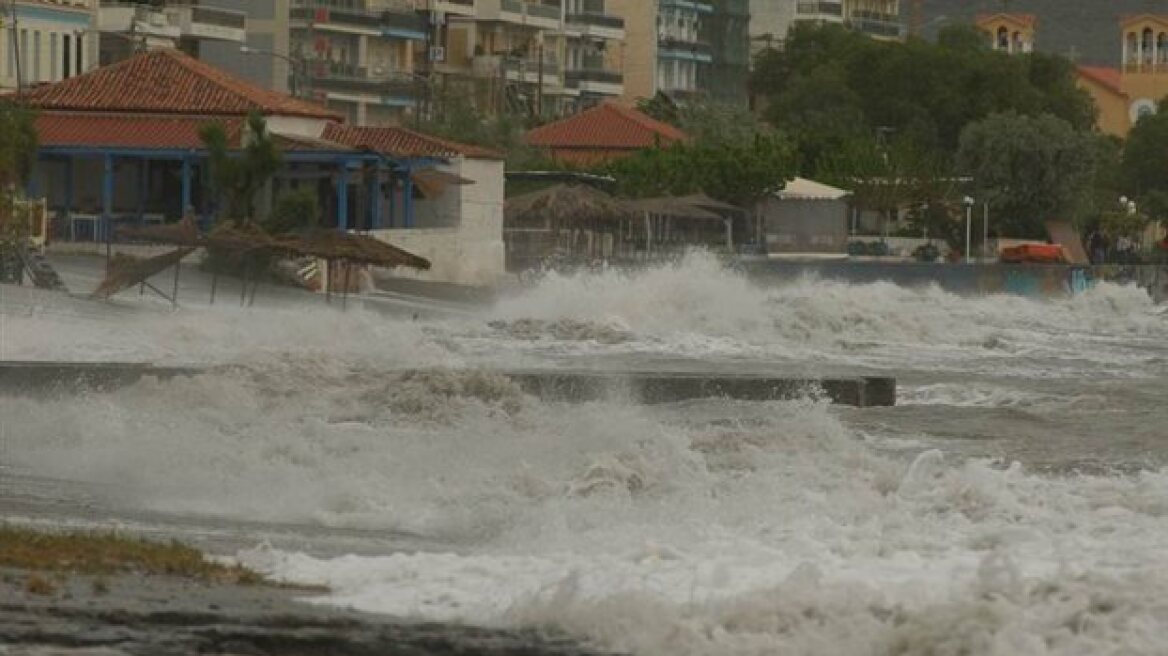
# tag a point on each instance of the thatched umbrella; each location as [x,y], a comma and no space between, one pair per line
[673,206]
[564,204]
[706,203]
[575,207]
[126,271]
[356,249]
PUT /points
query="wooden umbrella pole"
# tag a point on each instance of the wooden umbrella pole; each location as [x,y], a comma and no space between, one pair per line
[345,293]
[214,283]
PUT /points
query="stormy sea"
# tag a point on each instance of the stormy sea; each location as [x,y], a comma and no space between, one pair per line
[1015,501]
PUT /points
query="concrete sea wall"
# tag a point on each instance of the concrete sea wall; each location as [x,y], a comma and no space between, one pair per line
[1024,280]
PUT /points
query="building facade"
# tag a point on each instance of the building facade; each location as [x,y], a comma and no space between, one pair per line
[126,28]
[771,20]
[1009,33]
[535,57]
[1123,95]
[686,49]
[43,42]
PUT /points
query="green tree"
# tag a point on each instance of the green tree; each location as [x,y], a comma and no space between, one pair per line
[294,211]
[1144,167]
[18,146]
[1030,169]
[735,173]
[239,177]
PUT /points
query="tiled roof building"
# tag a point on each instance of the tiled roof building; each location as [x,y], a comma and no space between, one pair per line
[606,132]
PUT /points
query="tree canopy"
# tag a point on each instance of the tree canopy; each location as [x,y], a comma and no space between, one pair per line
[830,84]
[239,177]
[1030,169]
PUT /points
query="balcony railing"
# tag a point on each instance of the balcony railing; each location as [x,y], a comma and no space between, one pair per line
[876,24]
[236,20]
[597,20]
[820,8]
[357,79]
[336,11]
[573,77]
[674,43]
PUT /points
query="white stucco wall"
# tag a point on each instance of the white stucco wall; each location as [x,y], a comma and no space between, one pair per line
[468,250]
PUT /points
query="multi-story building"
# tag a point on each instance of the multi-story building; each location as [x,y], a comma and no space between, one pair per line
[358,56]
[45,41]
[686,48]
[771,20]
[543,57]
[125,28]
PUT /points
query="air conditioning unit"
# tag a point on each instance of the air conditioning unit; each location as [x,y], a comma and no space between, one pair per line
[437,54]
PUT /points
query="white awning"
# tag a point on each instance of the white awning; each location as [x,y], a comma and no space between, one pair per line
[804,189]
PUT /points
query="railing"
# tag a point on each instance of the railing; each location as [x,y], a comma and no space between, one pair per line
[334,11]
[673,43]
[597,20]
[876,24]
[543,11]
[574,76]
[820,8]
[220,17]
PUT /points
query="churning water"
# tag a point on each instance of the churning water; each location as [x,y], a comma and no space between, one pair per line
[1015,502]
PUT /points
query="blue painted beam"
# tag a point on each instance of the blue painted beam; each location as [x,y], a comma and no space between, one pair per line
[375,199]
[107,193]
[392,201]
[343,198]
[68,186]
[186,185]
[408,198]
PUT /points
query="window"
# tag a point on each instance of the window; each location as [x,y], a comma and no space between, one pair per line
[53,74]
[80,56]
[11,56]
[36,76]
[66,56]
[22,65]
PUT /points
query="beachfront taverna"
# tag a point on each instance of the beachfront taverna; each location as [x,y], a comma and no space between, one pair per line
[121,145]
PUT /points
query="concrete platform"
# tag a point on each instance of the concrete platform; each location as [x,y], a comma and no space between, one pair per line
[19,378]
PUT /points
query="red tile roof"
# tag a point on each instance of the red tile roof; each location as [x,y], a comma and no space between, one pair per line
[128,131]
[168,82]
[400,142]
[1109,78]
[606,126]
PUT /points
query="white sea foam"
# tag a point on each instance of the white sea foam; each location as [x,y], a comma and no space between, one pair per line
[711,528]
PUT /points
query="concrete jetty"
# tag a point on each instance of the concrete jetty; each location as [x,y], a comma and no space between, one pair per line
[20,378]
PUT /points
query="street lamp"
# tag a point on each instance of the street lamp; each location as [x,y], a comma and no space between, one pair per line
[294,64]
[968,202]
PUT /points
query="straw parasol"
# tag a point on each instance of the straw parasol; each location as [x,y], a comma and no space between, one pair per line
[357,249]
[672,206]
[126,271]
[703,201]
[565,204]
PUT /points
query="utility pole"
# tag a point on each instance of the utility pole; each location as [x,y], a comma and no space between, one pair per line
[16,49]
[539,83]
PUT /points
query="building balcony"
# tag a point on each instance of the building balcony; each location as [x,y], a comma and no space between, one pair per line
[603,26]
[520,12]
[518,69]
[456,7]
[400,21]
[595,81]
[699,6]
[883,26]
[172,21]
[823,10]
[674,48]
[356,83]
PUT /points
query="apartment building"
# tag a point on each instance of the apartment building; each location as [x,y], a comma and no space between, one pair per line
[541,57]
[686,48]
[771,20]
[45,41]
[126,28]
